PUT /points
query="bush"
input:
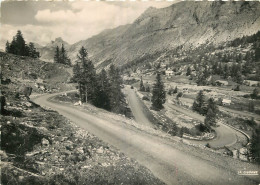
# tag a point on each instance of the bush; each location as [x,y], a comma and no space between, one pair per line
[201,127]
[145,98]
[180,94]
[237,88]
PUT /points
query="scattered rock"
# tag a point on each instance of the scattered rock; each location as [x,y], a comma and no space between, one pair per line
[45,142]
[235,154]
[100,150]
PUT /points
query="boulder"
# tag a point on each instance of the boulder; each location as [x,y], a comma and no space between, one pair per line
[100,150]
[45,142]
[235,154]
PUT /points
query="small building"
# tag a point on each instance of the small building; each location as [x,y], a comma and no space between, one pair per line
[168,72]
[226,101]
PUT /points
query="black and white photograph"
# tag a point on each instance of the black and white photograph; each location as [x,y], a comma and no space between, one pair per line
[130,92]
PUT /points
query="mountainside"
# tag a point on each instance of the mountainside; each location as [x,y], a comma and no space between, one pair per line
[185,23]
[42,76]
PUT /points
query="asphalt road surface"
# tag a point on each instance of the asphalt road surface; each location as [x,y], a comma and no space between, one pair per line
[161,156]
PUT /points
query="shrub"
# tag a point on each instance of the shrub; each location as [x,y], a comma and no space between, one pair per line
[145,98]
[180,94]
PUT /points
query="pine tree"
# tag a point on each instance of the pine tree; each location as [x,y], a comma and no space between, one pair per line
[32,51]
[255,93]
[57,55]
[116,95]
[79,73]
[213,106]
[226,71]
[199,105]
[215,68]
[20,44]
[159,95]
[210,119]
[175,90]
[142,88]
[63,56]
[188,71]
[103,100]
[7,47]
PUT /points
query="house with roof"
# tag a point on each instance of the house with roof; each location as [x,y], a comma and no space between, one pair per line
[169,72]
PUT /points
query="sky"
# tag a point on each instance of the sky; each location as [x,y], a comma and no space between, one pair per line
[43,21]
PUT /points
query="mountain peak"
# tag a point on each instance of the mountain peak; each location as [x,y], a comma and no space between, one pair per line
[58,42]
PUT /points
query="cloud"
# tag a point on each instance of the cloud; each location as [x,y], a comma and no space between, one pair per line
[81,21]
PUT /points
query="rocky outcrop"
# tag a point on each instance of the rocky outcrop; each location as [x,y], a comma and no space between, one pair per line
[159,30]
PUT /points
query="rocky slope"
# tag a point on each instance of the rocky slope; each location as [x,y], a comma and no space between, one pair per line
[159,30]
[39,146]
[41,76]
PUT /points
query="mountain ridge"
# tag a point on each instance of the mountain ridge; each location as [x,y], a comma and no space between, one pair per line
[187,24]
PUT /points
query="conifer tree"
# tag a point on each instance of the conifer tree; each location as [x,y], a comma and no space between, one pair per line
[116,95]
[7,47]
[188,71]
[18,46]
[103,93]
[175,90]
[63,56]
[226,71]
[158,93]
[57,55]
[210,119]
[199,105]
[142,88]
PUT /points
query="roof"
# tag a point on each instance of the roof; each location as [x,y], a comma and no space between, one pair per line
[226,101]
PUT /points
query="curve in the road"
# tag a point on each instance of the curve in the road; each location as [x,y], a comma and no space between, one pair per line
[226,136]
[157,154]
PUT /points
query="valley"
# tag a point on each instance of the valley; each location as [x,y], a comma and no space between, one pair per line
[170,98]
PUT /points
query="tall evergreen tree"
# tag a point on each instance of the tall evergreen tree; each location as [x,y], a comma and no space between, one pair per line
[104,88]
[226,71]
[32,51]
[64,59]
[7,47]
[188,71]
[116,95]
[142,88]
[57,55]
[20,44]
[158,93]
[210,119]
[212,105]
[199,105]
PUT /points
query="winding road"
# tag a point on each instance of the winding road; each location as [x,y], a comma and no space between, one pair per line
[226,136]
[172,162]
